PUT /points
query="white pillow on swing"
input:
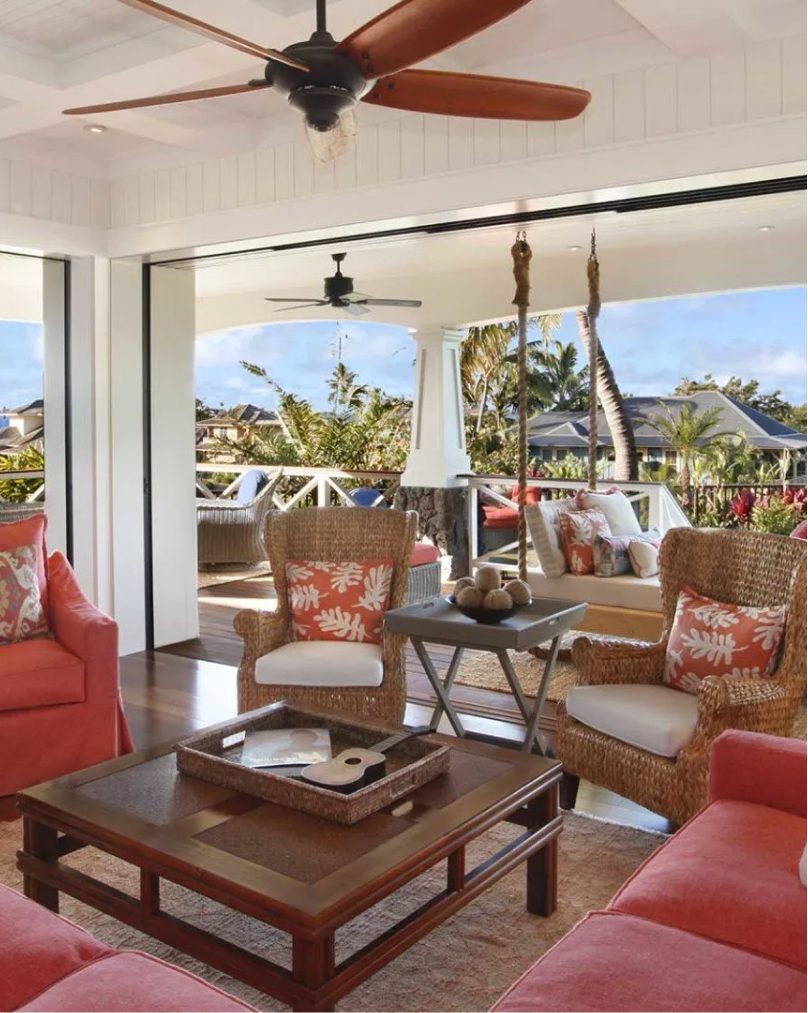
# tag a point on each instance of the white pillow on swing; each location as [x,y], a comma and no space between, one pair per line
[616,507]
[542,522]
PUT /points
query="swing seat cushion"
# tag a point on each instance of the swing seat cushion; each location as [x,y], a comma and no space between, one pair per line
[625,591]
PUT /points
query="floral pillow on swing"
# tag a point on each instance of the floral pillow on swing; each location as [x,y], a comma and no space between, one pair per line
[339,601]
[710,637]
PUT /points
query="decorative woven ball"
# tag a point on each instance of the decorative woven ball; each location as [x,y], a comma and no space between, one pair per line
[470,598]
[497,600]
[519,591]
[463,582]
[488,578]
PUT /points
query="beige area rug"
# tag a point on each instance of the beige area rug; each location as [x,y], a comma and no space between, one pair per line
[225,573]
[477,670]
[463,965]
[483,672]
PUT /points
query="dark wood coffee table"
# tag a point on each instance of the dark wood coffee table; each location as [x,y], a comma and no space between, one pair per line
[304,875]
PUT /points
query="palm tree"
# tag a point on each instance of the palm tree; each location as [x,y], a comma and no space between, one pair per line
[481,359]
[686,433]
[554,381]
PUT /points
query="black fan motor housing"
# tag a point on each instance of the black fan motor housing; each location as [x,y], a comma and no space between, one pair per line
[332,85]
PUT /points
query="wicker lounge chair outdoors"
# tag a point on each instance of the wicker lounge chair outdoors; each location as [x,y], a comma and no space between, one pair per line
[233,532]
[740,567]
[329,534]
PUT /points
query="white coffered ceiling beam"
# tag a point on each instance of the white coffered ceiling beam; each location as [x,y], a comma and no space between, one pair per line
[690,27]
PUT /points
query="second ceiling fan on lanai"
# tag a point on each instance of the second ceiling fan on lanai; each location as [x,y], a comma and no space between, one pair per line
[324,78]
[339,293]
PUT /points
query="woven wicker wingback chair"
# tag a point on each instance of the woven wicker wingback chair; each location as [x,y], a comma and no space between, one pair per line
[331,534]
[740,567]
[230,532]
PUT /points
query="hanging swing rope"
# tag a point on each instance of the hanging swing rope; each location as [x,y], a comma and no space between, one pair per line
[521,253]
[592,311]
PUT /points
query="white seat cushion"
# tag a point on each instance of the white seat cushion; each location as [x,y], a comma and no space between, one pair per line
[657,719]
[321,663]
[617,509]
[625,591]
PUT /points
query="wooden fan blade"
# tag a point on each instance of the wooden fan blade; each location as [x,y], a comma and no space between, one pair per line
[414,303]
[165,100]
[500,98]
[173,17]
[301,306]
[414,30]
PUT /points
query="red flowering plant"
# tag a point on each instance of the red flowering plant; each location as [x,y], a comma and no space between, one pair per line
[742,505]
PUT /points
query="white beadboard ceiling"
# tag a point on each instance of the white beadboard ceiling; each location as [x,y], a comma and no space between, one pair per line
[55,53]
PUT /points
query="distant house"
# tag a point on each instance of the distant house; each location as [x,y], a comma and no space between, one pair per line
[22,428]
[230,426]
[552,435]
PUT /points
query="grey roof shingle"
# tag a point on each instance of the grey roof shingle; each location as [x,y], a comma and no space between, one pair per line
[571,429]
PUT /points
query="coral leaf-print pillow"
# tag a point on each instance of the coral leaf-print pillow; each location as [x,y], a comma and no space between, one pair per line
[339,601]
[21,614]
[709,637]
[579,530]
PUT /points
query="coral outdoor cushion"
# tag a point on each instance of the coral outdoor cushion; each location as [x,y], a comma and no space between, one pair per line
[615,505]
[579,531]
[729,874]
[22,616]
[501,518]
[339,601]
[31,531]
[709,637]
[611,552]
[643,555]
[616,962]
[423,552]
[542,522]
[801,530]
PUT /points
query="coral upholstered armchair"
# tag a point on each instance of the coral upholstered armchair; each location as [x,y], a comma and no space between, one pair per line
[339,671]
[650,742]
[60,706]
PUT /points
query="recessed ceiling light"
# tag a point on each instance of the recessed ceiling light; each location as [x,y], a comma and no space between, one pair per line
[574,249]
[765,228]
[95,128]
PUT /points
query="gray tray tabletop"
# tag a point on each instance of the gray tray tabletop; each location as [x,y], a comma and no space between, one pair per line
[438,621]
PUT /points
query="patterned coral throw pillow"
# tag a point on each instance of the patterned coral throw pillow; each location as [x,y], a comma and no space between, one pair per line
[22,616]
[579,531]
[339,601]
[709,637]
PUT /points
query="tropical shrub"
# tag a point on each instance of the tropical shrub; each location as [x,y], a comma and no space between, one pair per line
[772,514]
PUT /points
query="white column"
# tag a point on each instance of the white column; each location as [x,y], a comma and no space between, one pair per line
[54,321]
[125,453]
[173,456]
[438,441]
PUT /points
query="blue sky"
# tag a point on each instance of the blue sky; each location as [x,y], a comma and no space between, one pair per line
[758,335]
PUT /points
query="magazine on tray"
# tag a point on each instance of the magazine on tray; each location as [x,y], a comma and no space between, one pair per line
[286,747]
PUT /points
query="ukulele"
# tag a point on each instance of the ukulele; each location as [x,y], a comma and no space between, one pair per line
[354,768]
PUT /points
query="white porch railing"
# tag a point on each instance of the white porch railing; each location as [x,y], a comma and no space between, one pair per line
[316,486]
[657,506]
[38,494]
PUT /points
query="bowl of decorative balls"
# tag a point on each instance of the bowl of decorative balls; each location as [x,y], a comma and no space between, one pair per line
[485,599]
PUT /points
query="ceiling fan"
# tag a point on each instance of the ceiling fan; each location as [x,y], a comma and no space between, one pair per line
[339,293]
[324,79]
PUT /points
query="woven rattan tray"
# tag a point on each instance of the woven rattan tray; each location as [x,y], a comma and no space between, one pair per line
[410,764]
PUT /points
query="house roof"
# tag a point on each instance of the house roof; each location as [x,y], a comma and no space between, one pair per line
[32,408]
[243,414]
[566,429]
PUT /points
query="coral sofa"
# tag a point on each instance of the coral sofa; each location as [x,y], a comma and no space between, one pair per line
[60,705]
[48,963]
[714,920]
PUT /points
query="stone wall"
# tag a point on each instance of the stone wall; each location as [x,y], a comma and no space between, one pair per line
[441,519]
